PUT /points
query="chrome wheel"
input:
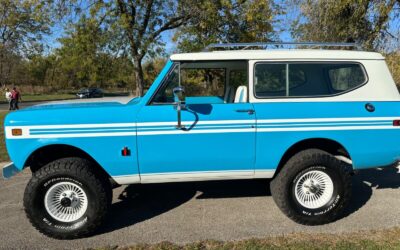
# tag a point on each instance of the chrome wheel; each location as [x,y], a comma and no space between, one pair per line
[66,202]
[314,189]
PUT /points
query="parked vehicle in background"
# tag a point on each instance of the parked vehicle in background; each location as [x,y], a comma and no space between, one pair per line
[303,118]
[90,93]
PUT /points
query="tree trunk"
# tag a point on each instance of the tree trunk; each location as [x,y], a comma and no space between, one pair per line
[139,79]
[1,66]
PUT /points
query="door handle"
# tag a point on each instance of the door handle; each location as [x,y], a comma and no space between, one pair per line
[248,111]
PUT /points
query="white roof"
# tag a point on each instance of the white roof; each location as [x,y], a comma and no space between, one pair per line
[306,54]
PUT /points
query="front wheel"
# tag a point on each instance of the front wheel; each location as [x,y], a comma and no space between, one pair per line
[67,199]
[313,188]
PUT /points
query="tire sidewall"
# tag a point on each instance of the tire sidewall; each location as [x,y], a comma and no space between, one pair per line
[46,221]
[329,207]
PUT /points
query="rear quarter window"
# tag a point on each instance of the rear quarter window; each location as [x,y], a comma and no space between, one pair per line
[346,76]
[306,79]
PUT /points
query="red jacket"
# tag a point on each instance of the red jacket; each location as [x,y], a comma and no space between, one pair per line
[15,94]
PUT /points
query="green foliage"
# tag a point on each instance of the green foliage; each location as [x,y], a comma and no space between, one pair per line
[151,69]
[137,25]
[366,22]
[84,58]
[118,44]
[363,21]
[222,21]
[22,24]
[393,62]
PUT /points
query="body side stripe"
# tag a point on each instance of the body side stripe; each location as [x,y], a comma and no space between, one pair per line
[326,128]
[338,119]
[146,124]
[221,126]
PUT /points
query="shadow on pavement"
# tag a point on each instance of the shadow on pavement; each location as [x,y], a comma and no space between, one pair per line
[142,202]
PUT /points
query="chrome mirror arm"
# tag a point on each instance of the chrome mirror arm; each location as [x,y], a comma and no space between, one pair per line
[179,107]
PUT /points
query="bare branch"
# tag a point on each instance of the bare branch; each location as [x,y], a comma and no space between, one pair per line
[171,24]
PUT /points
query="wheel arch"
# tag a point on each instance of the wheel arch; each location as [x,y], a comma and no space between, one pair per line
[48,153]
[329,145]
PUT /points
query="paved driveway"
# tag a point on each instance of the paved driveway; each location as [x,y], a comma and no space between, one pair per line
[186,212]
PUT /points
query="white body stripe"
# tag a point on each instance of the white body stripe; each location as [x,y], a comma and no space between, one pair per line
[95,125]
[339,119]
[193,176]
[225,126]
[202,131]
[325,128]
[146,124]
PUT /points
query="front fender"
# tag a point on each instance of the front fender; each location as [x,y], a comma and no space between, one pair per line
[106,151]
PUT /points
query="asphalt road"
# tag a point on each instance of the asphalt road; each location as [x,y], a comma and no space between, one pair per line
[187,212]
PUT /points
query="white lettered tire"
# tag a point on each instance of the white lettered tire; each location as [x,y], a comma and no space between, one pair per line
[313,187]
[67,199]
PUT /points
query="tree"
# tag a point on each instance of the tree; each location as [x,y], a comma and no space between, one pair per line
[137,26]
[86,57]
[151,69]
[222,21]
[22,24]
[364,21]
[82,54]
[393,62]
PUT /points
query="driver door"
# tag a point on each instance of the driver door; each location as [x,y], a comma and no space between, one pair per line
[218,137]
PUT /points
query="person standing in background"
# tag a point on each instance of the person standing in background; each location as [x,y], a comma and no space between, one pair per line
[15,98]
[9,98]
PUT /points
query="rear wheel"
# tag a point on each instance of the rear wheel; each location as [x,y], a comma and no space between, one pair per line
[313,187]
[67,199]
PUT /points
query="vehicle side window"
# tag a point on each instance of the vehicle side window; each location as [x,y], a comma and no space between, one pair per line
[346,76]
[205,82]
[165,94]
[271,78]
[237,77]
[306,79]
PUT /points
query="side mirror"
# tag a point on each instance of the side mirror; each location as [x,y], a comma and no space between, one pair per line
[179,94]
[179,98]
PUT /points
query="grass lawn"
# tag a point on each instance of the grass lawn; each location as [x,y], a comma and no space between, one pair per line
[3,151]
[384,239]
[47,97]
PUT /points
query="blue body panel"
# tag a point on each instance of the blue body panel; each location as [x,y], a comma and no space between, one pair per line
[369,147]
[106,150]
[204,100]
[203,145]
[217,136]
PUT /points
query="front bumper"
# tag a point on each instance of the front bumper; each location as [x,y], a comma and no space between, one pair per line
[10,170]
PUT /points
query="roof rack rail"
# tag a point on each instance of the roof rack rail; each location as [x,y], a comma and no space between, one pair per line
[244,46]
